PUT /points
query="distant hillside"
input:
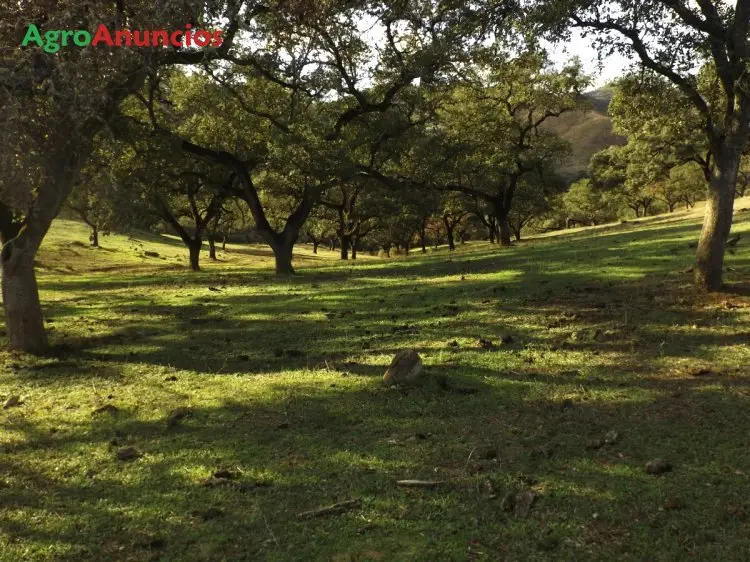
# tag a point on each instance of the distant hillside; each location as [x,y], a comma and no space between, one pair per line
[587,131]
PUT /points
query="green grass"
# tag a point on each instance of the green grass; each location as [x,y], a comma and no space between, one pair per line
[283,381]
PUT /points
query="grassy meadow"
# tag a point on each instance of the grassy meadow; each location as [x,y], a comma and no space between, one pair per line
[249,399]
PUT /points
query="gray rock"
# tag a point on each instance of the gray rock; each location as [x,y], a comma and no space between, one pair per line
[128,454]
[518,502]
[106,409]
[525,500]
[548,543]
[611,437]
[405,368]
[176,416]
[14,400]
[658,466]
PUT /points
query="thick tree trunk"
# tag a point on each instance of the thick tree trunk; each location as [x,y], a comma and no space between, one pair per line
[501,220]
[211,248]
[194,247]
[283,248]
[345,243]
[451,240]
[449,233]
[505,231]
[23,313]
[94,237]
[709,266]
[316,243]
[423,240]
[491,230]
[354,247]
[282,243]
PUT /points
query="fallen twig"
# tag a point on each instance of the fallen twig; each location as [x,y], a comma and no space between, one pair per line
[419,483]
[466,466]
[270,531]
[334,509]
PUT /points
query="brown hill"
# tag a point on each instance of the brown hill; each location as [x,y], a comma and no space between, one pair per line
[587,132]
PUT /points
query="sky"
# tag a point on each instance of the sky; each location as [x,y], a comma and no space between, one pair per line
[611,68]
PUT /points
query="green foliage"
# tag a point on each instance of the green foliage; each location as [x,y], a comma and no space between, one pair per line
[656,115]
[54,105]
[492,129]
[585,204]
[686,184]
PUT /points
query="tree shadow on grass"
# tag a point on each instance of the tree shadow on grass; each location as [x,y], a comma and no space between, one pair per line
[333,315]
[311,446]
[346,321]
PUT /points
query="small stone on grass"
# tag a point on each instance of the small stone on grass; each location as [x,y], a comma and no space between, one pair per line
[658,466]
[12,401]
[128,454]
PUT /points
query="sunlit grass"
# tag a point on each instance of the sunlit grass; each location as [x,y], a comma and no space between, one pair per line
[282,380]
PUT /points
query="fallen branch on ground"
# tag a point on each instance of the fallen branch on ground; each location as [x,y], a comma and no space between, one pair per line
[419,483]
[334,509]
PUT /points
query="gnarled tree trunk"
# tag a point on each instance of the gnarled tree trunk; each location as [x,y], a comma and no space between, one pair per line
[23,312]
[449,233]
[345,240]
[505,230]
[717,223]
[194,247]
[211,247]
[283,247]
[516,232]
[282,243]
[501,206]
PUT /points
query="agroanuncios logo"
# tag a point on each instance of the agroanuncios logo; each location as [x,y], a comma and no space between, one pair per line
[53,39]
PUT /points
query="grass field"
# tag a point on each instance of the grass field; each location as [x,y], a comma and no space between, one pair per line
[276,383]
